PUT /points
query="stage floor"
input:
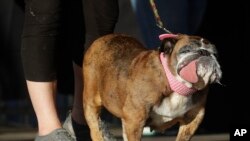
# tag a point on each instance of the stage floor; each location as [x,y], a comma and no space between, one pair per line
[28,134]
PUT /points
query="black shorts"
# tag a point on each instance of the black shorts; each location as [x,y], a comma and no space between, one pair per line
[58,29]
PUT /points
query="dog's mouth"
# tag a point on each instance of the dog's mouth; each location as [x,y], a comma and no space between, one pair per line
[195,67]
[188,70]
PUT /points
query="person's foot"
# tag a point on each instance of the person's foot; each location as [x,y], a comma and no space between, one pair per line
[57,135]
[78,131]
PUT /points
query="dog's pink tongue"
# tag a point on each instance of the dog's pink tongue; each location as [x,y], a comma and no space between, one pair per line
[188,72]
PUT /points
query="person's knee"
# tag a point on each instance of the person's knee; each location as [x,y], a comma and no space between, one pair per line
[41,18]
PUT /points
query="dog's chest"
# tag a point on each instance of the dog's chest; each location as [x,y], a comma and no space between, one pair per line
[171,107]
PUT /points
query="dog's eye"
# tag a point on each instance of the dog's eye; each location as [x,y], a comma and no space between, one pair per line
[185,49]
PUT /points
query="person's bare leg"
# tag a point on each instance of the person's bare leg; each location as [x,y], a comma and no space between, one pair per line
[42,96]
[77,111]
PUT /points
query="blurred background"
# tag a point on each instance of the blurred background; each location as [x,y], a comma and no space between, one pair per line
[226,24]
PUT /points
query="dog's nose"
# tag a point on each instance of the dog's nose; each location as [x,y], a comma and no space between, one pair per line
[203,52]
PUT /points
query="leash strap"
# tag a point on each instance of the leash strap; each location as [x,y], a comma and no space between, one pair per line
[158,20]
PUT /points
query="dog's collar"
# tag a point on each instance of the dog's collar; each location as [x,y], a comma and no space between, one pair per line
[175,85]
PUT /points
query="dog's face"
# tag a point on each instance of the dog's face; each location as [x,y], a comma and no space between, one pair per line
[192,60]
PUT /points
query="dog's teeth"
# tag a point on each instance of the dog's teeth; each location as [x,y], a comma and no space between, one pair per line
[182,65]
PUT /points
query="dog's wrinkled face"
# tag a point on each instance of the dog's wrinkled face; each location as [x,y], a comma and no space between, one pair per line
[192,60]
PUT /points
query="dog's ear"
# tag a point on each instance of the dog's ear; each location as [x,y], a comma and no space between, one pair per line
[167,45]
[168,42]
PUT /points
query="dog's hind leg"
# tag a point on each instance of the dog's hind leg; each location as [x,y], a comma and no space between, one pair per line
[92,107]
[91,113]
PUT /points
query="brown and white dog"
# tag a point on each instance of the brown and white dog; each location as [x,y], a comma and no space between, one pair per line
[158,88]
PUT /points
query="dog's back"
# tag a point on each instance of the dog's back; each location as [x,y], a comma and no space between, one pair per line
[114,46]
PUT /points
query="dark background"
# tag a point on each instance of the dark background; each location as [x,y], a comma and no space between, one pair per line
[226,24]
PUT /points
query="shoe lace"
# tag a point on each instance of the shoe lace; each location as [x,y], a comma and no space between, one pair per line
[64,136]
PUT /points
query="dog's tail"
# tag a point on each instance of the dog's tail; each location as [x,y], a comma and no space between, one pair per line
[107,135]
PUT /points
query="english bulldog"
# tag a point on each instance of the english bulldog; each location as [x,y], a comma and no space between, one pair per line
[142,87]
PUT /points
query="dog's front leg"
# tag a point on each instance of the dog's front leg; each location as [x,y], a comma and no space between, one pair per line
[132,129]
[188,127]
[133,121]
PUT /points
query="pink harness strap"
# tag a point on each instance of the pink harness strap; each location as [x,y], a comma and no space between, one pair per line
[175,85]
